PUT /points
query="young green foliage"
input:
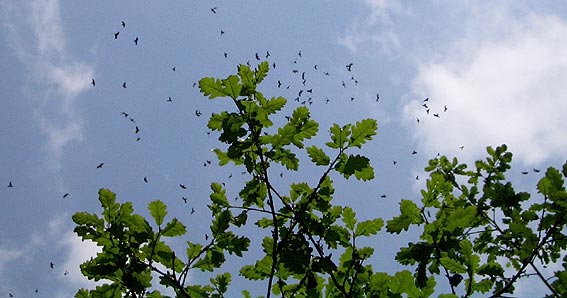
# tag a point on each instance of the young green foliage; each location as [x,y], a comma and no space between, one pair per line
[468,227]
[470,220]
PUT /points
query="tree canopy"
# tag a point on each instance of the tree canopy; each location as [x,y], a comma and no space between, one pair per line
[478,234]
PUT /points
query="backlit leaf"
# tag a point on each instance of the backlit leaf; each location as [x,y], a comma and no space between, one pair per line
[369,227]
[362,131]
[211,87]
[453,265]
[158,211]
[174,228]
[349,217]
[339,136]
[262,71]
[318,156]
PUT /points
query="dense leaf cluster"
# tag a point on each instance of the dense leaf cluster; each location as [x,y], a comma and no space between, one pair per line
[473,221]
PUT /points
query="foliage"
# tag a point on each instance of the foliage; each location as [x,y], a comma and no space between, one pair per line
[472,221]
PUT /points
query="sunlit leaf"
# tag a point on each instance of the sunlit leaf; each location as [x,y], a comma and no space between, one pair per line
[193,250]
[483,286]
[273,105]
[362,131]
[262,71]
[349,217]
[174,228]
[158,211]
[221,282]
[452,265]
[318,156]
[211,87]
[369,227]
[403,282]
[246,74]
[339,136]
[461,217]
[88,219]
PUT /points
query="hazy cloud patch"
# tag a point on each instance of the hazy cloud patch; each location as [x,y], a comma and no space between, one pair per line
[56,79]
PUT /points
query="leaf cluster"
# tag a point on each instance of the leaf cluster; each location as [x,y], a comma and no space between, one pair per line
[472,221]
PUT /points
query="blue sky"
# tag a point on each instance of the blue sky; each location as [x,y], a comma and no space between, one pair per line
[498,68]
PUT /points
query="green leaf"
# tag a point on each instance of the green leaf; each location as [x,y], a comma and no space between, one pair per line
[222,157]
[106,197]
[403,282]
[551,183]
[262,71]
[349,217]
[461,217]
[357,165]
[273,105]
[410,214]
[217,121]
[285,157]
[211,87]
[221,282]
[158,211]
[409,209]
[318,156]
[155,294]
[232,86]
[258,271]
[362,131]
[193,250]
[283,137]
[218,196]
[82,293]
[453,265]
[246,75]
[339,136]
[254,193]
[174,228]
[369,227]
[108,202]
[483,286]
[397,224]
[221,222]
[88,219]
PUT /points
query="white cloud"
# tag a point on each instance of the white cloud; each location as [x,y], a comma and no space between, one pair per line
[78,252]
[36,34]
[510,90]
[499,68]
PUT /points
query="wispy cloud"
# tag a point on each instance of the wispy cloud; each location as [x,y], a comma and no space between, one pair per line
[36,34]
[13,255]
[364,34]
